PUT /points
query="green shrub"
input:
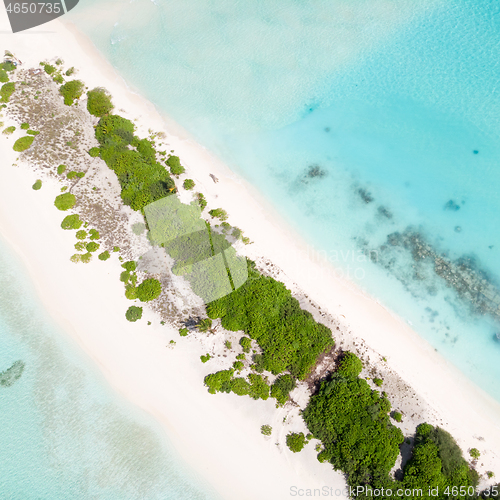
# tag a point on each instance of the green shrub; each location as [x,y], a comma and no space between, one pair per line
[70,71]
[219,381]
[205,358]
[350,365]
[49,69]
[8,65]
[65,201]
[204,325]
[71,90]
[71,175]
[148,290]
[131,292]
[282,387]
[129,266]
[175,165]
[378,382]
[23,143]
[32,132]
[82,234]
[266,430]
[228,344]
[201,201]
[116,249]
[397,416]
[183,332]
[6,91]
[80,246]
[58,78]
[37,185]
[94,234]
[9,130]
[61,169]
[246,343]
[241,356]
[259,388]
[80,175]
[133,313]
[474,453]
[219,213]
[25,126]
[4,77]
[238,366]
[72,222]
[94,152]
[92,246]
[86,258]
[290,339]
[75,258]
[296,441]
[188,184]
[99,102]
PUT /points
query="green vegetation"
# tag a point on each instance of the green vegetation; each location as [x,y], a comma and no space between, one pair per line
[82,234]
[86,258]
[4,77]
[23,143]
[290,339]
[143,180]
[49,69]
[266,430]
[175,165]
[246,344]
[65,201]
[218,213]
[204,325]
[350,365]
[94,152]
[188,184]
[99,102]
[71,90]
[474,453]
[133,313]
[296,441]
[228,344]
[25,126]
[92,246]
[32,132]
[148,290]
[238,366]
[37,185]
[72,222]
[129,266]
[70,71]
[397,416]
[183,332]
[378,382]
[205,358]
[8,65]
[61,169]
[94,234]
[9,130]
[130,292]
[6,91]
[201,201]
[58,78]
[80,246]
[282,387]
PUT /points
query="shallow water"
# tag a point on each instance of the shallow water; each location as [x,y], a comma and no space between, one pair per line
[356,120]
[64,432]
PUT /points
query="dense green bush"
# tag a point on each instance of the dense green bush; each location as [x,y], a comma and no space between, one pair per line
[219,213]
[23,143]
[71,175]
[9,130]
[71,90]
[94,234]
[37,185]
[290,339]
[296,441]
[25,126]
[131,292]
[58,78]
[397,416]
[188,184]
[201,200]
[474,453]
[246,343]
[129,266]
[259,388]
[86,258]
[72,222]
[133,313]
[281,388]
[8,66]
[32,132]
[99,102]
[378,382]
[94,152]
[349,365]
[143,180]
[238,366]
[148,290]
[80,246]
[204,324]
[205,358]
[70,71]
[61,169]
[49,69]
[6,91]
[183,332]
[82,234]
[92,246]
[266,430]
[175,165]
[219,381]
[65,201]
[4,77]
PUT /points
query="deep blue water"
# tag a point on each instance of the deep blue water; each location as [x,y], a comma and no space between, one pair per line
[64,433]
[394,103]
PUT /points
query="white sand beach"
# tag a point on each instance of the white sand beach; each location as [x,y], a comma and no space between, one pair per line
[218,435]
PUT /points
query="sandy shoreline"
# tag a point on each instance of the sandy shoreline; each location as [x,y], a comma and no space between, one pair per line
[171,382]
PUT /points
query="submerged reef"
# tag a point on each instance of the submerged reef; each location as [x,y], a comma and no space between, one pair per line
[10,376]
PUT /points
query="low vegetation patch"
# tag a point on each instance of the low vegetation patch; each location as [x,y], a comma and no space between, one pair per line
[37,185]
[71,91]
[72,222]
[65,201]
[99,102]
[23,143]
[133,313]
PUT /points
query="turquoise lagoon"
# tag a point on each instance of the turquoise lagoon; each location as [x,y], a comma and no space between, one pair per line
[357,119]
[64,433]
